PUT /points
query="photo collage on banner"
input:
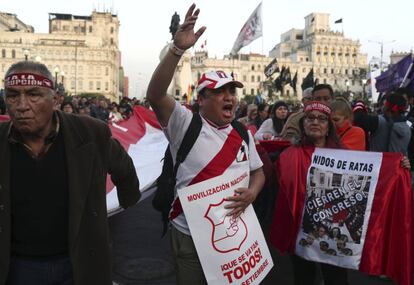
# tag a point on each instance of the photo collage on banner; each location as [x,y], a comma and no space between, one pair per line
[340,190]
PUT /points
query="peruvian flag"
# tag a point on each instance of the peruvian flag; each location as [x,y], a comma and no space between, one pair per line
[351,209]
[145,142]
[143,139]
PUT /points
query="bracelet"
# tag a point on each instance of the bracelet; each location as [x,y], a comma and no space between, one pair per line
[175,50]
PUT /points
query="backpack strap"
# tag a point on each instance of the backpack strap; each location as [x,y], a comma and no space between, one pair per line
[241,130]
[164,195]
[188,141]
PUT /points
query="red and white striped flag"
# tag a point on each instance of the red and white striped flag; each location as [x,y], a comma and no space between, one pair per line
[351,209]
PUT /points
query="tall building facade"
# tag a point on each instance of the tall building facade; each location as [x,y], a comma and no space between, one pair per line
[335,60]
[81,51]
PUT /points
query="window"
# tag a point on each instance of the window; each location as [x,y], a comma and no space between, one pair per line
[107,72]
[324,81]
[307,59]
[112,41]
[336,81]
[90,85]
[252,67]
[90,29]
[112,30]
[80,70]
[287,92]
[252,78]
[244,91]
[325,70]
[353,82]
[98,70]
[98,85]
[244,78]
[252,91]
[80,84]
[72,84]
[258,78]
[332,70]
[106,86]
[346,71]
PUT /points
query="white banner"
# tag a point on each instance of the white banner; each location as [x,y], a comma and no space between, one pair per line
[231,250]
[251,30]
[340,189]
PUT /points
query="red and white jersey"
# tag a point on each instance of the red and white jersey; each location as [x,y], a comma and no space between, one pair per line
[216,150]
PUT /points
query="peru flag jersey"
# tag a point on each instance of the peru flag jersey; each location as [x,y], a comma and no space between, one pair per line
[216,150]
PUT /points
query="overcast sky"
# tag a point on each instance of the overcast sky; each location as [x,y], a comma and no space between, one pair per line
[145,24]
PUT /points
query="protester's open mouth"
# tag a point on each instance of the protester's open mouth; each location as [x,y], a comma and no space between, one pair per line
[228,110]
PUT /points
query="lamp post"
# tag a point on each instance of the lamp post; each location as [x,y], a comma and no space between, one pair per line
[38,58]
[26,54]
[347,85]
[56,70]
[63,77]
[364,84]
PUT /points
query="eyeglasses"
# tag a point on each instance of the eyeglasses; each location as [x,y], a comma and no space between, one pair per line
[320,119]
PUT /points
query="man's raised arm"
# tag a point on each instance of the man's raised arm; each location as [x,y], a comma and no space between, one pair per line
[184,38]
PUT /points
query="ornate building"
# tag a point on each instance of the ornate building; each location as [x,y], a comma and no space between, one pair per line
[335,60]
[81,51]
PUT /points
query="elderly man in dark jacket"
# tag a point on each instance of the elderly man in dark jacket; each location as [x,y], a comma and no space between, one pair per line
[53,220]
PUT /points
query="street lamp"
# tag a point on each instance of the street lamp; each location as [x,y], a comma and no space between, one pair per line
[26,54]
[63,77]
[347,85]
[364,84]
[38,58]
[56,70]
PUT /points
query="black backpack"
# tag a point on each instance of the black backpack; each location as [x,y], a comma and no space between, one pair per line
[164,194]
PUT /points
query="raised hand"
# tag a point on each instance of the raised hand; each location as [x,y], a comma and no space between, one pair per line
[185,37]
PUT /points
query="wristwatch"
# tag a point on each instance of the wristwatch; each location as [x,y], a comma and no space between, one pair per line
[175,50]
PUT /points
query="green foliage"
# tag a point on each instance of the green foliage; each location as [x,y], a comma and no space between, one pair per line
[91,95]
[249,99]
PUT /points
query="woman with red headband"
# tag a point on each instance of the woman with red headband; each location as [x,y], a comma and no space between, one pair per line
[318,131]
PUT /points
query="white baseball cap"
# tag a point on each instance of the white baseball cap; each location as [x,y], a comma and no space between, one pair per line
[215,80]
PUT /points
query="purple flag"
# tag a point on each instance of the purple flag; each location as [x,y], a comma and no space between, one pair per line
[400,74]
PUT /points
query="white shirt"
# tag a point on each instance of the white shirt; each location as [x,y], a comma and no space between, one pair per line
[208,144]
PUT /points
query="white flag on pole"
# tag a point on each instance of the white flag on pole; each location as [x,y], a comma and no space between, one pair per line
[251,30]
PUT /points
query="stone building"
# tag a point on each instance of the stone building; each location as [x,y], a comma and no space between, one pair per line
[335,60]
[81,51]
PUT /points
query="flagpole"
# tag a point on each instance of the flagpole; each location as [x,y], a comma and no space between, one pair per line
[408,71]
[261,14]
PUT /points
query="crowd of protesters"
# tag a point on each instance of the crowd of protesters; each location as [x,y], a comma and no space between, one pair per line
[321,121]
